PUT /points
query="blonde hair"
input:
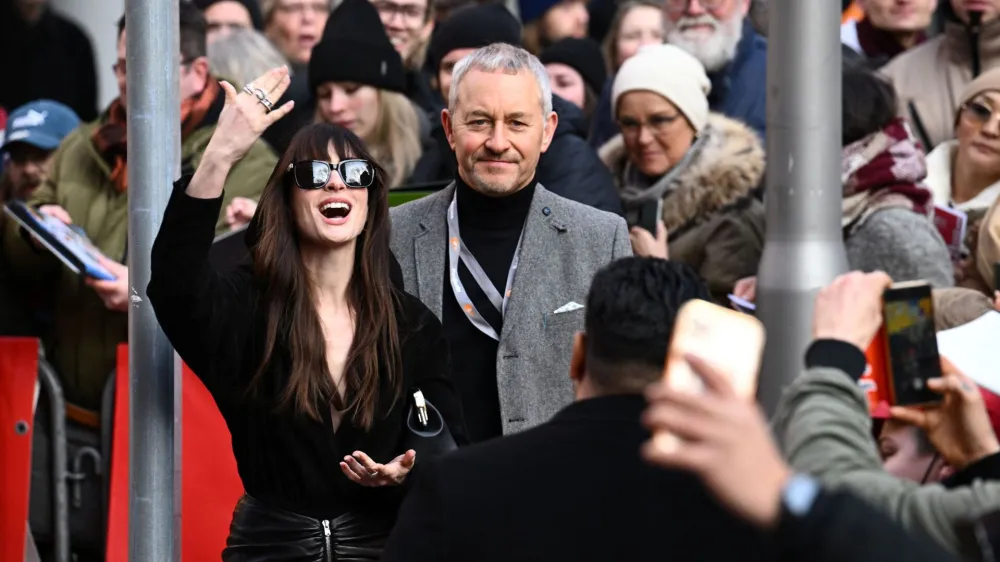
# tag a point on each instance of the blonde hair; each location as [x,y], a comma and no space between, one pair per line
[395,139]
[242,56]
[610,45]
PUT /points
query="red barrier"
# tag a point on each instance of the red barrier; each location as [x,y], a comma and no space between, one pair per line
[210,484]
[18,375]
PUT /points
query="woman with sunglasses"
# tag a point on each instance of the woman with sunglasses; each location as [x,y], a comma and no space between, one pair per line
[310,352]
[964,173]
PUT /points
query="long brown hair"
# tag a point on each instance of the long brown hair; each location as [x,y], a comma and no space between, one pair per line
[288,295]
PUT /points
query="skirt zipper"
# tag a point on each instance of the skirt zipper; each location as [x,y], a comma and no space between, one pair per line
[326,538]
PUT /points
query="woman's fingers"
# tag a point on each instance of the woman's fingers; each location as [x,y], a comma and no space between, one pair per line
[231,92]
[276,82]
[351,475]
[366,461]
[356,466]
[282,111]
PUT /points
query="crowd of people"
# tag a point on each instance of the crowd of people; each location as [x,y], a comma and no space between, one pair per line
[530,140]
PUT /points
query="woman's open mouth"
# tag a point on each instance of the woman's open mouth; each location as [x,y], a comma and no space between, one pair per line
[335,212]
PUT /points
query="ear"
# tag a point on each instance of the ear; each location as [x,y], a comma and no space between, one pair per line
[199,67]
[425,33]
[578,360]
[448,131]
[944,471]
[745,8]
[551,122]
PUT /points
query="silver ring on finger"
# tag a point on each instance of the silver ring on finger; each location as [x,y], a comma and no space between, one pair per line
[267,104]
[261,94]
[373,473]
[248,89]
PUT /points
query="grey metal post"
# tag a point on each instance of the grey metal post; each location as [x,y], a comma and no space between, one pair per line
[153,67]
[60,494]
[804,248]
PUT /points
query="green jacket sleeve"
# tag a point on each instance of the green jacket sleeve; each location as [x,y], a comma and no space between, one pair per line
[247,179]
[824,429]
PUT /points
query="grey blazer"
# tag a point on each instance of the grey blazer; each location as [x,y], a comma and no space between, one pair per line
[564,245]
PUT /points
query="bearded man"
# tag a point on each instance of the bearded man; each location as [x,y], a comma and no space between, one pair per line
[720,35]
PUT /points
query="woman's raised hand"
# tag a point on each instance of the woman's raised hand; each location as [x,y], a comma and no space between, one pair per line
[247,114]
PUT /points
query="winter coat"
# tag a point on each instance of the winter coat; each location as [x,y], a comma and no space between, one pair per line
[714,222]
[738,90]
[930,78]
[905,245]
[82,342]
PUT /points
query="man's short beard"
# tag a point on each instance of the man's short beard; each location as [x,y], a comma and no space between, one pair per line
[716,51]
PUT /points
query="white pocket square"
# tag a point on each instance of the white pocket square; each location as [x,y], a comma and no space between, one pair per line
[568,307]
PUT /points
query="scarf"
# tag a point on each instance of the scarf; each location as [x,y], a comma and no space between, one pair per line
[884,170]
[880,44]
[111,138]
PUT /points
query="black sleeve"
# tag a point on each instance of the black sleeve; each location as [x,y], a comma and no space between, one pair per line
[842,528]
[986,468]
[201,312]
[430,360]
[420,534]
[572,169]
[838,355]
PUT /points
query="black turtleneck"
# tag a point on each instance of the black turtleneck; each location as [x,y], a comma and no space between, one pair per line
[490,228]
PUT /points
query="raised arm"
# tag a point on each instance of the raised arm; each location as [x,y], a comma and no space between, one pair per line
[205,315]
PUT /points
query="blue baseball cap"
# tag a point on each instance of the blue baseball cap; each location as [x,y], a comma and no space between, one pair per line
[41,123]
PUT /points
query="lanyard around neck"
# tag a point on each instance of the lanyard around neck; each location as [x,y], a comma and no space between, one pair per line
[457,251]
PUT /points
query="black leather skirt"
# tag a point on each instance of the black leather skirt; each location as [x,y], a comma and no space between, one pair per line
[260,532]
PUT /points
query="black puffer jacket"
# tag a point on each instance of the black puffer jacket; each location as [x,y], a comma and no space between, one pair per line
[571,167]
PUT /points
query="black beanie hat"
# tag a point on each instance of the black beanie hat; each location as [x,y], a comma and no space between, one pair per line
[582,55]
[472,28]
[251,5]
[355,48]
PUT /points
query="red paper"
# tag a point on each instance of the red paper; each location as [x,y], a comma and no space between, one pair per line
[951,223]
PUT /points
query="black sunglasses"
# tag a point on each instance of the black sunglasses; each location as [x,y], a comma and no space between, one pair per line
[978,111]
[315,174]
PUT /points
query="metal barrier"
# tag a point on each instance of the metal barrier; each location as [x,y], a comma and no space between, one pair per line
[60,493]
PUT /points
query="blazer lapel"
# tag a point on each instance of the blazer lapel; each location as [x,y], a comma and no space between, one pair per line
[429,246]
[541,238]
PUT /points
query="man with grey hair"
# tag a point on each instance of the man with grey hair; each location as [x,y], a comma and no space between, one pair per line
[504,263]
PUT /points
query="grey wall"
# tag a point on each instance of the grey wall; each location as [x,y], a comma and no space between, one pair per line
[98,19]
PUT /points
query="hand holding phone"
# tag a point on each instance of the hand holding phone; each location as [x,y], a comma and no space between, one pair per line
[911,343]
[701,330]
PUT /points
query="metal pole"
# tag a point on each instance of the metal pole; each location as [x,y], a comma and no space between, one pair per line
[153,63]
[60,494]
[804,248]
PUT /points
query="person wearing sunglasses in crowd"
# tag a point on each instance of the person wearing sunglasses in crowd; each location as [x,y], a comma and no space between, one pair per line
[964,173]
[309,351]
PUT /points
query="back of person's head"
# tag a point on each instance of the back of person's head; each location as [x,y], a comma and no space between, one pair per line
[472,27]
[630,315]
[956,306]
[868,104]
[243,55]
[193,31]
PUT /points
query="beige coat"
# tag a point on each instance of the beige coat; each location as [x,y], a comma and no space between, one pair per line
[930,78]
[715,223]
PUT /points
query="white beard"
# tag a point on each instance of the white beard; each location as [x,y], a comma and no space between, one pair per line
[714,51]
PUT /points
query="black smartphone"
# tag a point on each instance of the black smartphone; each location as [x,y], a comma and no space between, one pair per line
[649,215]
[911,343]
[996,276]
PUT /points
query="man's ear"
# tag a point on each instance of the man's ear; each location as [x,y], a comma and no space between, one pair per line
[199,67]
[578,360]
[449,133]
[551,122]
[745,9]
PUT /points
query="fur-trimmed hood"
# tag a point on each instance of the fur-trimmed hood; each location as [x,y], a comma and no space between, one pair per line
[726,166]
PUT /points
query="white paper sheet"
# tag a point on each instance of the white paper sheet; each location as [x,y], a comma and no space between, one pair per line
[975,349]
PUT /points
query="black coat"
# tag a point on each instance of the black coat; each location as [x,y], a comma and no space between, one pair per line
[216,323]
[569,168]
[575,489]
[571,489]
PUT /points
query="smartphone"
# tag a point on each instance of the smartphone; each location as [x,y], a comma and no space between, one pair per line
[649,215]
[702,329]
[911,343]
[996,276]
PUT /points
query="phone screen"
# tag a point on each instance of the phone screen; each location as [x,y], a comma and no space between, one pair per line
[911,344]
[649,215]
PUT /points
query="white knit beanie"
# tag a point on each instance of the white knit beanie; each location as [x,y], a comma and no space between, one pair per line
[671,72]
